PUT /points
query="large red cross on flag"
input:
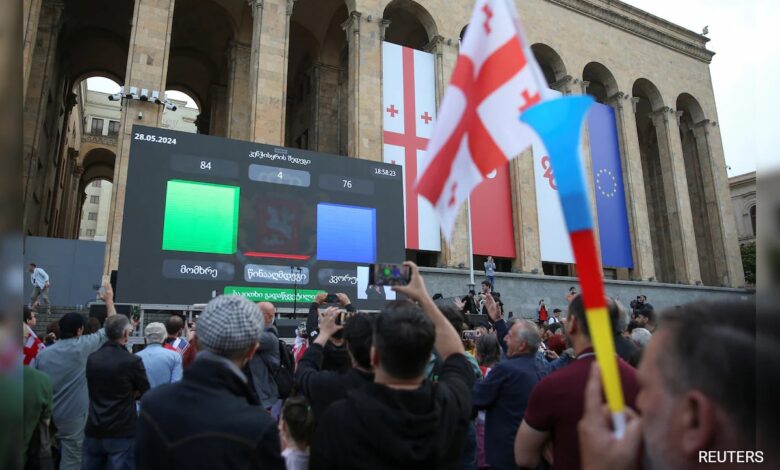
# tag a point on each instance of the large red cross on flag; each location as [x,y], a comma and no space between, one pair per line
[409,105]
[478,130]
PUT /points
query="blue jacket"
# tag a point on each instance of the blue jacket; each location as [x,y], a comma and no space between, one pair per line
[504,395]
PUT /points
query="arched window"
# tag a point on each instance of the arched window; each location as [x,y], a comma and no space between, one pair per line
[753,218]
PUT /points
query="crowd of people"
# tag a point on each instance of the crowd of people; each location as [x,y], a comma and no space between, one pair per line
[419,385]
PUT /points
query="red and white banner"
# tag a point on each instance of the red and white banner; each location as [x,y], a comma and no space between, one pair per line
[492,225]
[495,79]
[32,346]
[409,109]
[553,234]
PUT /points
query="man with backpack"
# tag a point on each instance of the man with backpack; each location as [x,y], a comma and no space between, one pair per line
[267,370]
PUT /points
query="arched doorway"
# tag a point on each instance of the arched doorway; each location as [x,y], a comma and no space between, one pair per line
[317,87]
[200,63]
[186,116]
[410,24]
[648,100]
[95,192]
[601,83]
[701,190]
[408,108]
[75,40]
[551,64]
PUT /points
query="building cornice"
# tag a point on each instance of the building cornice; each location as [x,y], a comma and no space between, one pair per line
[107,140]
[635,21]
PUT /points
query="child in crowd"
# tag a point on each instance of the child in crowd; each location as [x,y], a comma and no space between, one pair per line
[296,427]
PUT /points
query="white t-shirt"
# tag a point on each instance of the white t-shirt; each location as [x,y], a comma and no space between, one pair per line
[295,459]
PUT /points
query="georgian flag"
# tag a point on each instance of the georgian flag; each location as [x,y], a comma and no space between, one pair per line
[32,346]
[409,116]
[495,79]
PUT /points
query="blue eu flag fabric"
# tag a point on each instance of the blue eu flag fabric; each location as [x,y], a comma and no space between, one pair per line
[614,236]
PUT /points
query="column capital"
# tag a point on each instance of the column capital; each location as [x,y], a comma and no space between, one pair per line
[563,84]
[435,45]
[616,100]
[352,24]
[78,170]
[661,115]
[678,115]
[383,25]
[584,85]
[702,128]
[255,4]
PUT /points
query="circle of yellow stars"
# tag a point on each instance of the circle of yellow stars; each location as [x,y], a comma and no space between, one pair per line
[612,192]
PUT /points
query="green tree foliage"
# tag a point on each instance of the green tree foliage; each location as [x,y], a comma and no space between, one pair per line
[749,262]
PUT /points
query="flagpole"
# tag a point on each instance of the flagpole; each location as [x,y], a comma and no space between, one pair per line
[471,246]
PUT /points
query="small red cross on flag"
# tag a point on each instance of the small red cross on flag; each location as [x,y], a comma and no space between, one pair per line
[478,128]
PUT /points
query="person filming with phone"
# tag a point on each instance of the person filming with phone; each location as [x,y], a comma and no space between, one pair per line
[323,387]
[402,420]
[335,355]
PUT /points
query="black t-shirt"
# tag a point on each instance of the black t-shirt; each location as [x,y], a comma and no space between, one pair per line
[324,387]
[382,428]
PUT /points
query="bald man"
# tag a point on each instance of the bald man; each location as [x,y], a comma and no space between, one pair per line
[266,360]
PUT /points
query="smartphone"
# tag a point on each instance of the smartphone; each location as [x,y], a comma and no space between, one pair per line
[331,299]
[470,334]
[390,274]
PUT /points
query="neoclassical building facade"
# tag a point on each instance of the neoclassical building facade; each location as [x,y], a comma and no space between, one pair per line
[308,74]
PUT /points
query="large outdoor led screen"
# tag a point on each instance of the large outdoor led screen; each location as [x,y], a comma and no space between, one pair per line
[206,215]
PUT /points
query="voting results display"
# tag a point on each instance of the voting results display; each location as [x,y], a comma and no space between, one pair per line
[206,215]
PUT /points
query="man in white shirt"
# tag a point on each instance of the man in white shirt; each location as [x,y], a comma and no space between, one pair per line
[40,282]
[555,317]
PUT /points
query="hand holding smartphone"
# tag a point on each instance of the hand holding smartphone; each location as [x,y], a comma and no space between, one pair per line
[389,274]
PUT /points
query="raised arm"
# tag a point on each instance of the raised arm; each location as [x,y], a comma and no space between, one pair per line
[447,339]
[108,297]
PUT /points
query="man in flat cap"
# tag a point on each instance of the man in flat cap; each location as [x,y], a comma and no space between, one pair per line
[211,419]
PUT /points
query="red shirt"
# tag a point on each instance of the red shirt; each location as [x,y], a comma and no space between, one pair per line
[556,405]
[543,313]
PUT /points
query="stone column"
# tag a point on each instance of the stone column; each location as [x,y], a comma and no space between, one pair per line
[31,11]
[634,184]
[528,250]
[456,253]
[219,115]
[147,67]
[75,209]
[723,231]
[678,203]
[268,69]
[364,122]
[238,93]
[580,87]
[325,136]
[42,71]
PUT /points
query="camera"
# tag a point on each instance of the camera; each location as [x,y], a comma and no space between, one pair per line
[331,299]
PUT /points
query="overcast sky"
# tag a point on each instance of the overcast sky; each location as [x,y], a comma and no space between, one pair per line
[744,72]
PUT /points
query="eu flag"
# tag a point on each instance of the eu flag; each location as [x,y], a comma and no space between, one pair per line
[614,235]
